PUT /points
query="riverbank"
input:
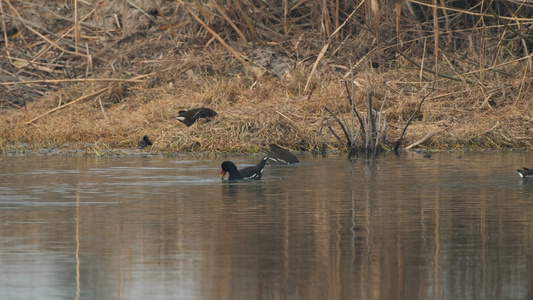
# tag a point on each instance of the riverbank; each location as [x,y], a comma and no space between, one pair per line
[249,118]
[255,113]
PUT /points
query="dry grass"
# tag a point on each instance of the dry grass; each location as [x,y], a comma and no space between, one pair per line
[270,110]
[136,82]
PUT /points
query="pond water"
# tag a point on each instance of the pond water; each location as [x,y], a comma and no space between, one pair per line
[448,227]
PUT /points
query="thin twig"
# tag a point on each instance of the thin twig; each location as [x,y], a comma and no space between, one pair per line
[30,26]
[342,126]
[335,134]
[399,141]
[371,126]
[285,117]
[65,105]
[325,47]
[506,25]
[355,110]
[256,72]
[228,19]
[425,138]
[431,70]
[136,79]
[381,128]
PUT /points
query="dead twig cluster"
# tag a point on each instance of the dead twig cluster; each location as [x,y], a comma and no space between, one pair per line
[363,134]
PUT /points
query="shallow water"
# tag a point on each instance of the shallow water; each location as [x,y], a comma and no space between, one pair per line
[169,228]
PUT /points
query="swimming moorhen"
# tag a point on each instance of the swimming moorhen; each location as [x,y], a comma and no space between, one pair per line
[281,156]
[254,172]
[190,116]
[525,172]
[144,142]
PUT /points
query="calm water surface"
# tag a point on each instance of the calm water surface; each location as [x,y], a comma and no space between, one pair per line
[169,228]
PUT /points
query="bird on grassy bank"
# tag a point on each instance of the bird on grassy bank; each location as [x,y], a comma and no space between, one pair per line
[254,172]
[145,141]
[281,156]
[525,172]
[188,117]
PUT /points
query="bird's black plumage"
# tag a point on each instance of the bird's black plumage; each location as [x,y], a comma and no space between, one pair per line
[281,156]
[145,141]
[253,172]
[188,117]
[525,172]
[231,168]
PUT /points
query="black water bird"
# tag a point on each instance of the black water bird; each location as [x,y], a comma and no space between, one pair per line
[188,117]
[145,141]
[253,172]
[280,155]
[525,172]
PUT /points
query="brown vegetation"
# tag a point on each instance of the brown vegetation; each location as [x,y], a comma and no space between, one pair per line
[118,72]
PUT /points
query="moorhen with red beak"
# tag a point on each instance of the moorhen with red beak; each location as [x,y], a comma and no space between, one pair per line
[254,172]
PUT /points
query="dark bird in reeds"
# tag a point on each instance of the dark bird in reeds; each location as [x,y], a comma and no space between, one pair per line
[281,156]
[188,117]
[145,141]
[254,172]
[525,172]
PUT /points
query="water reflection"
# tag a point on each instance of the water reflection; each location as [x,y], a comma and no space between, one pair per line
[169,228]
